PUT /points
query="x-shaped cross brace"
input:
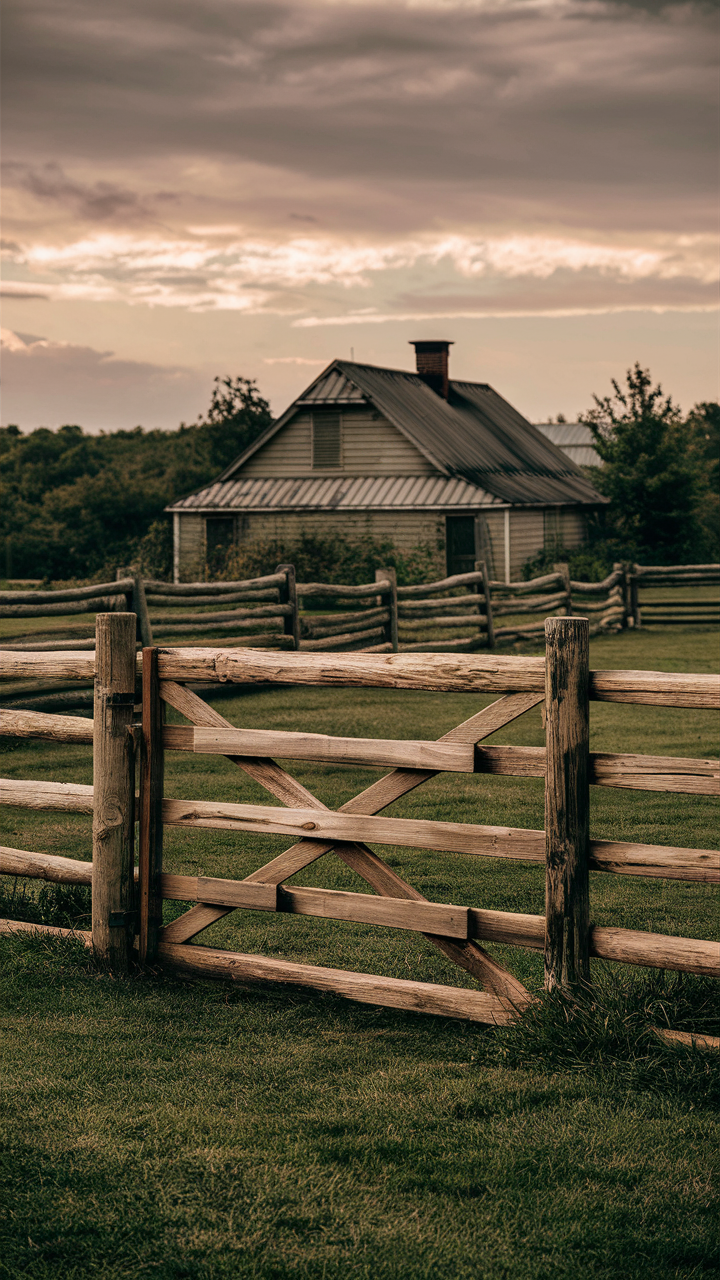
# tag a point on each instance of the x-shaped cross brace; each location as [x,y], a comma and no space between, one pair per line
[383,879]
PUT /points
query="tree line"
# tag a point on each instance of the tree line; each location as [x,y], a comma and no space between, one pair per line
[77,505]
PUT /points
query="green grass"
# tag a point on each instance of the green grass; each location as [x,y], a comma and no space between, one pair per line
[169,1128]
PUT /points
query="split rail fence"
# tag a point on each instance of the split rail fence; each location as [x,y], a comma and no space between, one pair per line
[127,902]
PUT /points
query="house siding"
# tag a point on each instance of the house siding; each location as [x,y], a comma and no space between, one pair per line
[370,446]
[190,554]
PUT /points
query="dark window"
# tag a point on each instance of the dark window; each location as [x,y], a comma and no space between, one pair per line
[552,530]
[460,544]
[219,539]
[326,441]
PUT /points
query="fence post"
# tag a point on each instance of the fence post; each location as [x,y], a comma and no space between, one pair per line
[634,596]
[481,567]
[391,626]
[567,886]
[113,789]
[141,609]
[288,595]
[151,797]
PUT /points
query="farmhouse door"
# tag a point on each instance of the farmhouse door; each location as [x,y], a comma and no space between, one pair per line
[460,544]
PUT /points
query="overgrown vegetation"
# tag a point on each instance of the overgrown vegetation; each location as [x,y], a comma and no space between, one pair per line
[331,558]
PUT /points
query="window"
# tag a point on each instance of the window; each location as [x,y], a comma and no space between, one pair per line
[552,530]
[326,441]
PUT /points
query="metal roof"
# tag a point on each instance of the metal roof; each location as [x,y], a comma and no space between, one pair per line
[575,439]
[337,493]
[475,435]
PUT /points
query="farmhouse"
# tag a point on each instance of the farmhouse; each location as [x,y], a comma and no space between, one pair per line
[416,457]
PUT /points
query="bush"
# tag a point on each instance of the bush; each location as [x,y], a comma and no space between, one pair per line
[330,558]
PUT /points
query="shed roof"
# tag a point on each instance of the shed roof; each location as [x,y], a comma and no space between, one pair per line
[575,439]
[474,436]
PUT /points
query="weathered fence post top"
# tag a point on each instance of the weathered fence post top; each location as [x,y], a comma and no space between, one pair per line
[567,801]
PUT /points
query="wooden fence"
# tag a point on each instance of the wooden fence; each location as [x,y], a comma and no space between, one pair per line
[670,610]
[127,903]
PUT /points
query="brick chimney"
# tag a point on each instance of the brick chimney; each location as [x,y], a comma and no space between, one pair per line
[431,362]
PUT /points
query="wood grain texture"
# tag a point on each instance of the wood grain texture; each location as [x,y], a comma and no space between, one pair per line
[655,860]
[113,880]
[63,797]
[656,688]
[611,769]
[49,728]
[567,804]
[44,866]
[476,674]
[449,837]
[470,620]
[238,893]
[440,756]
[68,665]
[656,950]
[394,993]
[363,908]
[319,630]
[443,584]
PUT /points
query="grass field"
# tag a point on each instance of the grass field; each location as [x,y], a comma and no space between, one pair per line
[170,1128]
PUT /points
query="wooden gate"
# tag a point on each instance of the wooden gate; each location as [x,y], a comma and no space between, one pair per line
[561,680]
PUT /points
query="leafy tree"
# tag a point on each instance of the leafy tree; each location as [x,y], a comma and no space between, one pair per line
[74,504]
[652,472]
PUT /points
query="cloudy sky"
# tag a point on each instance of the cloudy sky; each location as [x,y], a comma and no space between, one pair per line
[254,187]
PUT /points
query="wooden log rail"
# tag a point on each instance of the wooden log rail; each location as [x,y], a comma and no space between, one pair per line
[627,946]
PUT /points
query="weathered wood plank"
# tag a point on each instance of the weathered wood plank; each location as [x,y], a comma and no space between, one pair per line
[194,602]
[442,756]
[476,674]
[611,769]
[238,893]
[656,950]
[567,804]
[688,1038]
[113,829]
[49,728]
[44,866]
[452,837]
[471,620]
[317,629]
[655,860]
[656,688]
[394,993]
[63,797]
[68,665]
[363,908]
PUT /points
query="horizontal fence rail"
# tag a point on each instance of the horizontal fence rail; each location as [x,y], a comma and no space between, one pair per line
[127,899]
[461,613]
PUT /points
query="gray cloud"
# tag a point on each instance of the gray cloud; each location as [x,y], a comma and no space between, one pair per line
[588,111]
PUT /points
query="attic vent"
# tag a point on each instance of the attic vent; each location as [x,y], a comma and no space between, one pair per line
[326,441]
